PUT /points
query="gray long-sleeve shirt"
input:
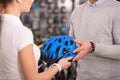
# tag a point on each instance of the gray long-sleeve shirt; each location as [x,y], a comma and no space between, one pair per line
[101,25]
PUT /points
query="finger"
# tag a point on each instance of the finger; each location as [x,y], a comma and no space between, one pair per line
[79,56]
[77,50]
[77,41]
[69,58]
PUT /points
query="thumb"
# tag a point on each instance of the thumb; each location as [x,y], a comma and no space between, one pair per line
[69,58]
[77,41]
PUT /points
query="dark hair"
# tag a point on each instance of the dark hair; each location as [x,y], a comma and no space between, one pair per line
[3,4]
[0,20]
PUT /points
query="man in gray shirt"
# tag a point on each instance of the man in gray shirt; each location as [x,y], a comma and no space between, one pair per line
[95,26]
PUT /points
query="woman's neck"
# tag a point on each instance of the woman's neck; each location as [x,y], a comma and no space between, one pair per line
[12,10]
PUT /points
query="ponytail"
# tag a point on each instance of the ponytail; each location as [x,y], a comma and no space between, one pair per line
[0,15]
[0,22]
[3,4]
[0,19]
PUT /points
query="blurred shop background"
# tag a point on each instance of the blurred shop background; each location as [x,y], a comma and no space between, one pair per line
[49,17]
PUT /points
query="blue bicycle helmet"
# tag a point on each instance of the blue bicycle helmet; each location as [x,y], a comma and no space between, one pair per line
[57,47]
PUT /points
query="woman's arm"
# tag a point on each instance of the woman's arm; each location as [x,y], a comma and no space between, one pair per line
[29,69]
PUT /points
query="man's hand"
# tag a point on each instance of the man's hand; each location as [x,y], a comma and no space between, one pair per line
[83,48]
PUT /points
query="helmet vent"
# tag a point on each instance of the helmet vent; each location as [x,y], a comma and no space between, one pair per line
[49,47]
[65,51]
[58,39]
[66,43]
[71,42]
[57,50]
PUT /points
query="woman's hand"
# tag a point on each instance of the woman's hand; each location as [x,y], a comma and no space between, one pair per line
[82,50]
[64,62]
